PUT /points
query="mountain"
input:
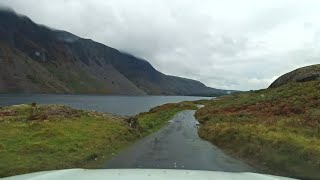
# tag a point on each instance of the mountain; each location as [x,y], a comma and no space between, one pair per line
[304,74]
[38,59]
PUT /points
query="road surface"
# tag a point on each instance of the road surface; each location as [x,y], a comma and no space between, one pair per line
[177,146]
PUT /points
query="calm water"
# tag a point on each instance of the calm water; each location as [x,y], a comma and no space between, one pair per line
[122,105]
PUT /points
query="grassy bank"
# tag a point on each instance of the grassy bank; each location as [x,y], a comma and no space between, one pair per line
[56,137]
[47,137]
[276,129]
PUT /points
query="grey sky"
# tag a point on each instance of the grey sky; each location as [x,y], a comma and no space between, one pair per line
[225,44]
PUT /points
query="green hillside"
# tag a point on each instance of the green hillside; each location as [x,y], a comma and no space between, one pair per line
[276,129]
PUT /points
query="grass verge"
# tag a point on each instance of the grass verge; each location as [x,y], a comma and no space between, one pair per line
[57,137]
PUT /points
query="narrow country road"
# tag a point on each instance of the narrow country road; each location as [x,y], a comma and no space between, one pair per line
[177,146]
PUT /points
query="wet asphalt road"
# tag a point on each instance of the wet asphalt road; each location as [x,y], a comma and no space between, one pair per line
[177,146]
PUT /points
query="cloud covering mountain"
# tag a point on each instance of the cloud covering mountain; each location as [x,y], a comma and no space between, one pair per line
[225,44]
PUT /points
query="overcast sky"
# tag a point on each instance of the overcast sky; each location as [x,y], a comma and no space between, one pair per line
[225,44]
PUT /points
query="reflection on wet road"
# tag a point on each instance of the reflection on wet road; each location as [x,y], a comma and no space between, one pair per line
[177,146]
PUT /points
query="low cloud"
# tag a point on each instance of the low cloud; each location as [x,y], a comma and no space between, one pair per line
[225,44]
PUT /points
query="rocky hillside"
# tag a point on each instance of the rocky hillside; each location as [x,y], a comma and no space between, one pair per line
[304,74]
[35,58]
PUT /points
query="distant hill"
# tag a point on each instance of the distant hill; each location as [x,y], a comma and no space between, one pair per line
[304,74]
[38,59]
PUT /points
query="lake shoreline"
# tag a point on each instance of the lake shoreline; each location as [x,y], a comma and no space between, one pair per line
[120,105]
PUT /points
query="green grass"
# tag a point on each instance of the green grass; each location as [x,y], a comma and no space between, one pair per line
[50,137]
[66,138]
[277,130]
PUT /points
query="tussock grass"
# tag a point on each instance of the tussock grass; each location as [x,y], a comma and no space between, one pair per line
[276,129]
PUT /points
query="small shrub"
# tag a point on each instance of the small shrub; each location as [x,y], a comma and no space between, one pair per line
[150,126]
[92,157]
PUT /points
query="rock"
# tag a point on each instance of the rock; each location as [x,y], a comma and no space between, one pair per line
[304,74]
[133,122]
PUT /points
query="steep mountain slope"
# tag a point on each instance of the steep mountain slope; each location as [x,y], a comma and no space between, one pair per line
[308,73]
[35,58]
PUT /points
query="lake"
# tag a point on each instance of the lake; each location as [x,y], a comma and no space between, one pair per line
[121,105]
